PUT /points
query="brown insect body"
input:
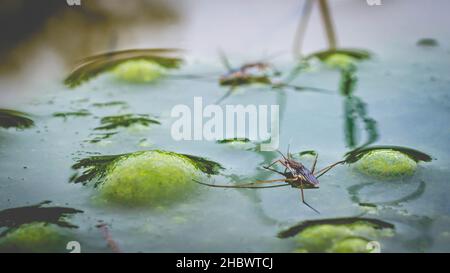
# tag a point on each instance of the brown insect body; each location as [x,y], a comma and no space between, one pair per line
[302,175]
[247,74]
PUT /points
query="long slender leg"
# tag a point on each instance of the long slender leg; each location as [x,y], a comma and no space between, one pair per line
[273,170]
[273,163]
[227,94]
[250,185]
[314,164]
[303,198]
[272,181]
[326,169]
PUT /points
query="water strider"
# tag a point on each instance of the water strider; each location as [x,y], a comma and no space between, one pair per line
[295,173]
[260,72]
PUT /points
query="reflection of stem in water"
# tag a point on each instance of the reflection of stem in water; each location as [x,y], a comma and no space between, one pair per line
[327,21]
[355,108]
[301,28]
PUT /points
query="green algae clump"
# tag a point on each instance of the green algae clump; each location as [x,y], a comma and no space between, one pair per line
[139,71]
[351,245]
[33,237]
[386,164]
[342,238]
[340,61]
[149,178]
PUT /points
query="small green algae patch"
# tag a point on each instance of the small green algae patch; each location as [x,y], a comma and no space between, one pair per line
[65,115]
[239,143]
[139,71]
[122,104]
[126,120]
[428,42]
[386,164]
[348,238]
[150,178]
[33,237]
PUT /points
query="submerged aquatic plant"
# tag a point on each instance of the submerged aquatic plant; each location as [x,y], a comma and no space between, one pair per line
[348,235]
[144,178]
[126,120]
[15,119]
[92,66]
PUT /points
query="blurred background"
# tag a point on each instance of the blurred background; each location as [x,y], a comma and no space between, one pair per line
[41,40]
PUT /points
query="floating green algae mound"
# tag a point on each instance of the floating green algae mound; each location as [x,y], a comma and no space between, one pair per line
[350,238]
[351,245]
[340,58]
[35,228]
[34,237]
[144,178]
[340,61]
[386,164]
[139,71]
[343,235]
[132,65]
[149,178]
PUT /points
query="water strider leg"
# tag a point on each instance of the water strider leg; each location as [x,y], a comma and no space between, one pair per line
[326,169]
[273,170]
[273,163]
[314,164]
[227,94]
[250,185]
[303,198]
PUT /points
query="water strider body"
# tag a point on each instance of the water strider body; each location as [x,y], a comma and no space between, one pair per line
[251,73]
[262,73]
[295,173]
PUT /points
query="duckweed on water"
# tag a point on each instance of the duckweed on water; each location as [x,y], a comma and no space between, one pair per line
[349,235]
[145,178]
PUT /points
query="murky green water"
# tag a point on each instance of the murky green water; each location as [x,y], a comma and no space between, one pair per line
[408,97]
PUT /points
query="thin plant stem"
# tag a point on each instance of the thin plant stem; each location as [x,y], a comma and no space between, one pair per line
[327,21]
